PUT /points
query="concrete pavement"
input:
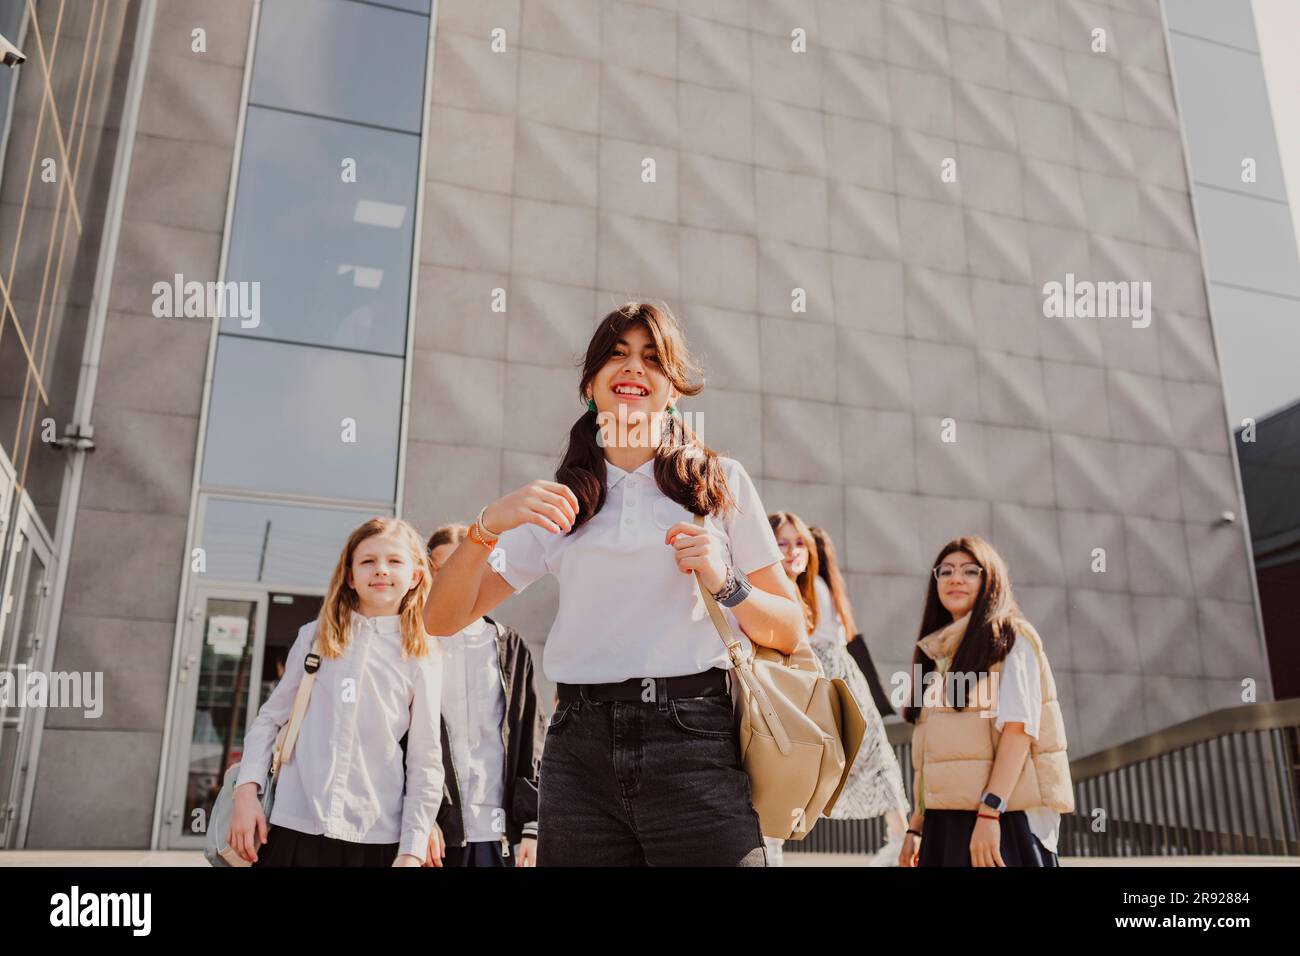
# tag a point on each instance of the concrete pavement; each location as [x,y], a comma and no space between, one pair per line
[79,858]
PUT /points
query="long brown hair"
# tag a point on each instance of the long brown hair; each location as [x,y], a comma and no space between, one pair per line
[989,635]
[334,625]
[828,566]
[804,582]
[686,470]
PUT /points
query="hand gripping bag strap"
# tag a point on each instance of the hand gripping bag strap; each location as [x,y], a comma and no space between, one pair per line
[217,851]
[744,667]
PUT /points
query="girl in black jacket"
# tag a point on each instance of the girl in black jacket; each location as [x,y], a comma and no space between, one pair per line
[492,734]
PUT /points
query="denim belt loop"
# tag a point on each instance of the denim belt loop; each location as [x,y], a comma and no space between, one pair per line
[661,694]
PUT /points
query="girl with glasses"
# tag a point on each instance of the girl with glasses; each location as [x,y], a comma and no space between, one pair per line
[992,776]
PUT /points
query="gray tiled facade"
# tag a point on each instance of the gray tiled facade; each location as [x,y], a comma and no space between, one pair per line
[775,170]
[820,171]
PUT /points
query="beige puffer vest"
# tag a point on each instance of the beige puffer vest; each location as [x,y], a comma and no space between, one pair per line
[953,750]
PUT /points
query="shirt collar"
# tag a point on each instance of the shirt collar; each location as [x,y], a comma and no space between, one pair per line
[384,623]
[615,474]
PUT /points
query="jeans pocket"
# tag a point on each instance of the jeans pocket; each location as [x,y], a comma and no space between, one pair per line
[560,716]
[704,716]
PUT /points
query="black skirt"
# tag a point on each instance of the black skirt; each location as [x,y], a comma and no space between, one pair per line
[286,847]
[945,839]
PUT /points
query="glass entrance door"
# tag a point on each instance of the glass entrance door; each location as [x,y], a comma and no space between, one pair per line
[216,676]
[236,645]
[22,619]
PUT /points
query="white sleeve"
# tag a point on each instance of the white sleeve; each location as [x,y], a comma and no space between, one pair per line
[259,742]
[1020,693]
[520,555]
[750,536]
[424,772]
[828,621]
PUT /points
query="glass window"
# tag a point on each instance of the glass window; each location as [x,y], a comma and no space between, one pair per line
[1225,111]
[280,544]
[276,421]
[1259,338]
[353,61]
[416,6]
[1213,19]
[1248,242]
[332,259]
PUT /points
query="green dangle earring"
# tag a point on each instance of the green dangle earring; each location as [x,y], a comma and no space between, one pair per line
[591,404]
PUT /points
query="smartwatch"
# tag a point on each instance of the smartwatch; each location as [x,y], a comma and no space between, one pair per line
[993,802]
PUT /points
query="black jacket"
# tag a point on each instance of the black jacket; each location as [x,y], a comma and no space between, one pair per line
[523,731]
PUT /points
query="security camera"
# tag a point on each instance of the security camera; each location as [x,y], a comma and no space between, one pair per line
[12,55]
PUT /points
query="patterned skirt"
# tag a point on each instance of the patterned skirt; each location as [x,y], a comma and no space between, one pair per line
[875,784]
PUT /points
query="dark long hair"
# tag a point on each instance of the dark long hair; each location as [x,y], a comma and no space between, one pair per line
[828,566]
[989,633]
[686,470]
[804,582]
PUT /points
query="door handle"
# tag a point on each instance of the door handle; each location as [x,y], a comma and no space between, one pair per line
[190,661]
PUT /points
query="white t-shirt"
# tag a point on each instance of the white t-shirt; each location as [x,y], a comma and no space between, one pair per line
[473,708]
[830,629]
[625,609]
[1020,700]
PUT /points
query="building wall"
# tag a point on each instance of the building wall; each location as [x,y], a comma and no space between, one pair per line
[97,778]
[779,170]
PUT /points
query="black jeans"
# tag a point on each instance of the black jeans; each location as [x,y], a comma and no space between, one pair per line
[646,784]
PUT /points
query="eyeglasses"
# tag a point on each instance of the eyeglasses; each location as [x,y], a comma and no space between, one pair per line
[971,572]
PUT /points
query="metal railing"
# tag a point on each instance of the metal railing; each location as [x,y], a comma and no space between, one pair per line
[1226,782]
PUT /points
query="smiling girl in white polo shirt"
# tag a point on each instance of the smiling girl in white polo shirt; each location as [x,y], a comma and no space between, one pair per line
[642,762]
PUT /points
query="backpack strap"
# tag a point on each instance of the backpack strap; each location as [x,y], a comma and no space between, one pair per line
[289,734]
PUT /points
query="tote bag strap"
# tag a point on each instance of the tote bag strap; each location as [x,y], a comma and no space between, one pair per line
[744,666]
[311,664]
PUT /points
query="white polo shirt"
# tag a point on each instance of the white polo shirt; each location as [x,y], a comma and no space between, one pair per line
[625,609]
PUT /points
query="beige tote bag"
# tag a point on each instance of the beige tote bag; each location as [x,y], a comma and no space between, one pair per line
[799,732]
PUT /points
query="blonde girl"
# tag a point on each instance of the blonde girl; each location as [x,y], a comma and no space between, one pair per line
[349,796]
